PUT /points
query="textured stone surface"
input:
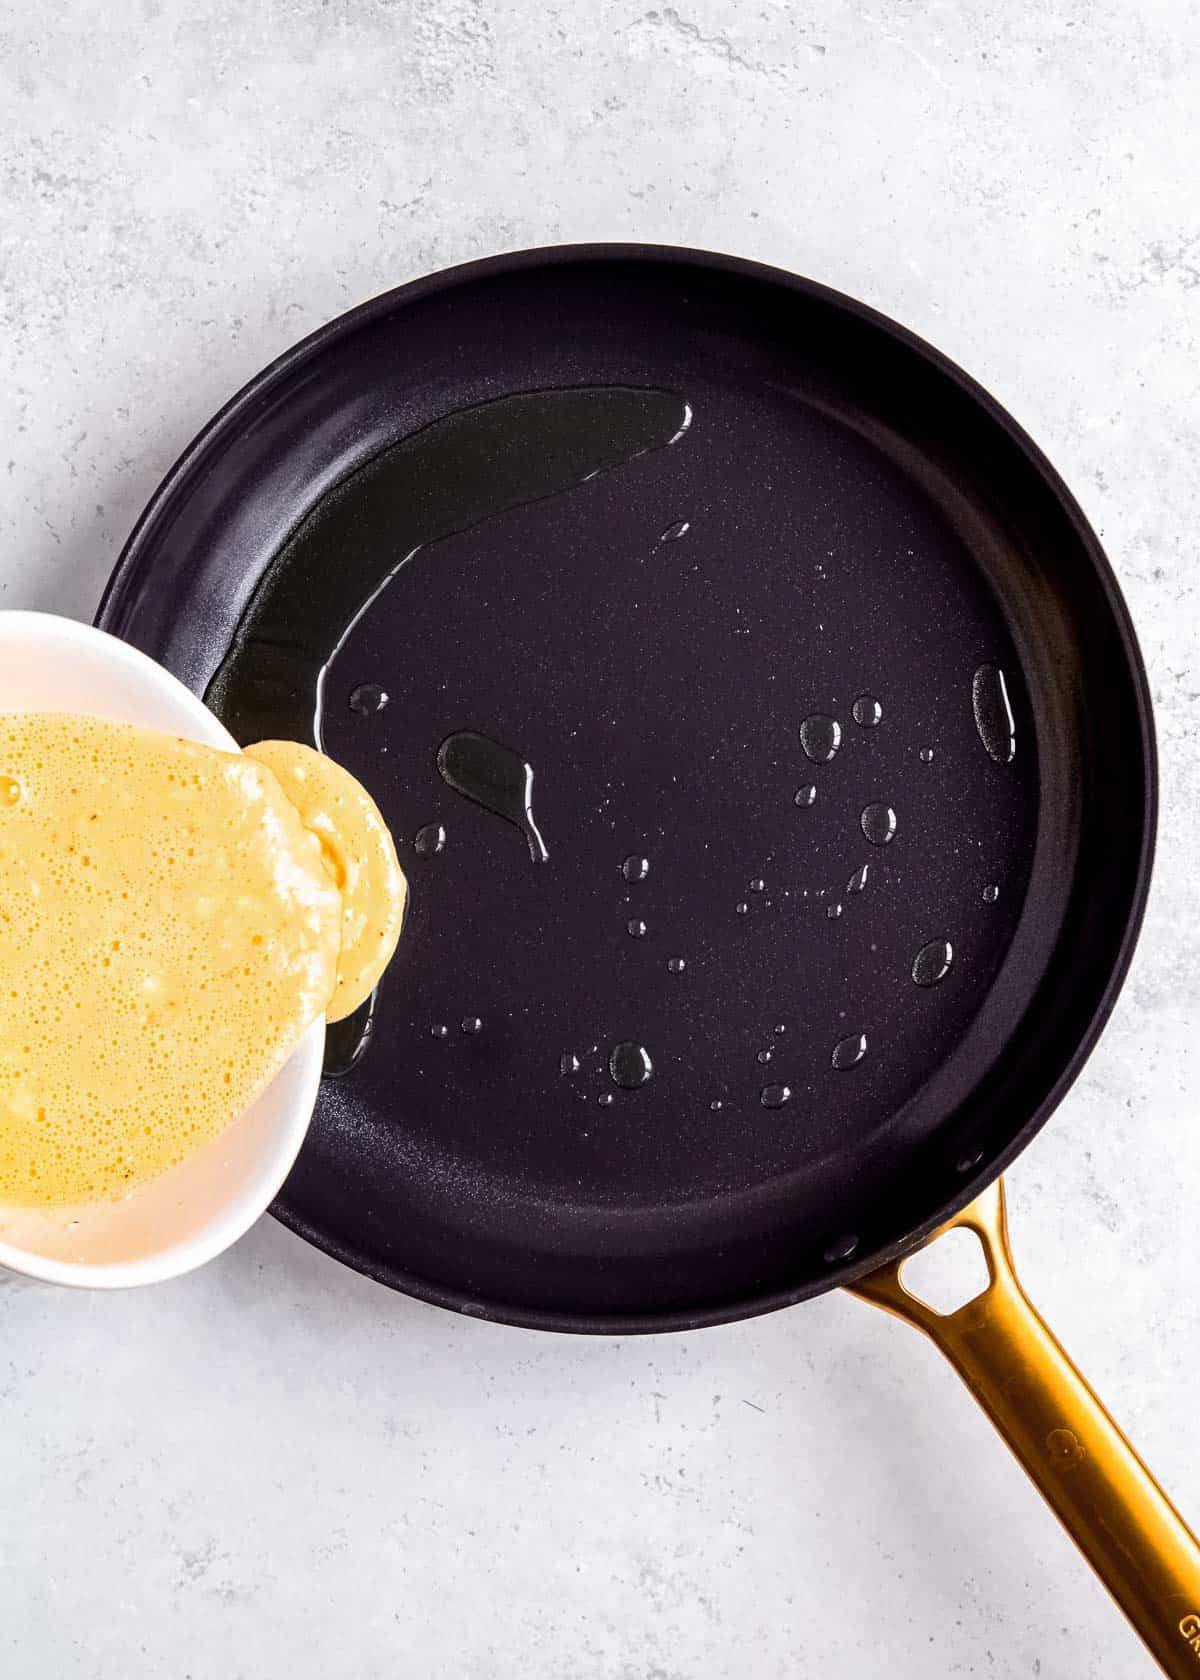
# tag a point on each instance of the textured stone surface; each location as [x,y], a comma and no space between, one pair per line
[275,1468]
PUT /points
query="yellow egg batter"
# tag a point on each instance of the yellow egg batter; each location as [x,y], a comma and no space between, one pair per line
[358,853]
[172,919]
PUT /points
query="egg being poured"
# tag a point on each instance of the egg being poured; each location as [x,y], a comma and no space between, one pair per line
[172,919]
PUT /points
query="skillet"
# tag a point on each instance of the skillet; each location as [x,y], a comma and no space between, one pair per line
[772,760]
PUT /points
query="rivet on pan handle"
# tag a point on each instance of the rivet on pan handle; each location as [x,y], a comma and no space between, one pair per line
[1092,1478]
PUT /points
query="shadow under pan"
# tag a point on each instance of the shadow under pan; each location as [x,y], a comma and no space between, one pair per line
[632,517]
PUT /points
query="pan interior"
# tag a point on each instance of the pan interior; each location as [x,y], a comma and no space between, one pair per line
[778,644]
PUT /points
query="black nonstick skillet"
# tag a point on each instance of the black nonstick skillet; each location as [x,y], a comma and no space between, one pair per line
[772,761]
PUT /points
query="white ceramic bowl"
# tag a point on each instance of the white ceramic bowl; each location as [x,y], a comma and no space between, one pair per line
[195,1210]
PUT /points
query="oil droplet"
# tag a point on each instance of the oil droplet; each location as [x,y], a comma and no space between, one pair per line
[568,1064]
[629,1066]
[635,868]
[758,884]
[743,908]
[781,1029]
[10,790]
[605,1099]
[866,711]
[991,894]
[676,965]
[858,880]
[926,755]
[764,1055]
[833,911]
[993,714]
[430,840]
[439,1032]
[774,1096]
[932,962]
[878,823]
[368,698]
[635,928]
[472,1024]
[848,1052]
[495,777]
[805,796]
[674,532]
[716,1105]
[841,1248]
[820,736]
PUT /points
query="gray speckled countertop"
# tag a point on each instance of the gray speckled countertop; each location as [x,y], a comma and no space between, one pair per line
[275,1468]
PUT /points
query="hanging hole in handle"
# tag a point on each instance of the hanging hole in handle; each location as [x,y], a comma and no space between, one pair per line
[948,1272]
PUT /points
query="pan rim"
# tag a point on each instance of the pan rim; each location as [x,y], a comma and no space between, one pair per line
[131,565]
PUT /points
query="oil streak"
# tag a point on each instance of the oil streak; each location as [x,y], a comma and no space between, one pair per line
[993,713]
[391,512]
[494,777]
[446,478]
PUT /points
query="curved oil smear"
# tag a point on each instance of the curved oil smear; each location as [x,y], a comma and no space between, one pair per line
[451,475]
[444,479]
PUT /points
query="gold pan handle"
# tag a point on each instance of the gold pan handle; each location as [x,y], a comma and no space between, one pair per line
[1094,1481]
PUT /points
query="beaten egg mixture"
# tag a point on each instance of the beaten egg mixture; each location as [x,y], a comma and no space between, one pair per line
[172,919]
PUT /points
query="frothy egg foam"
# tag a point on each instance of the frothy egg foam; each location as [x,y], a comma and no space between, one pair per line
[170,924]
